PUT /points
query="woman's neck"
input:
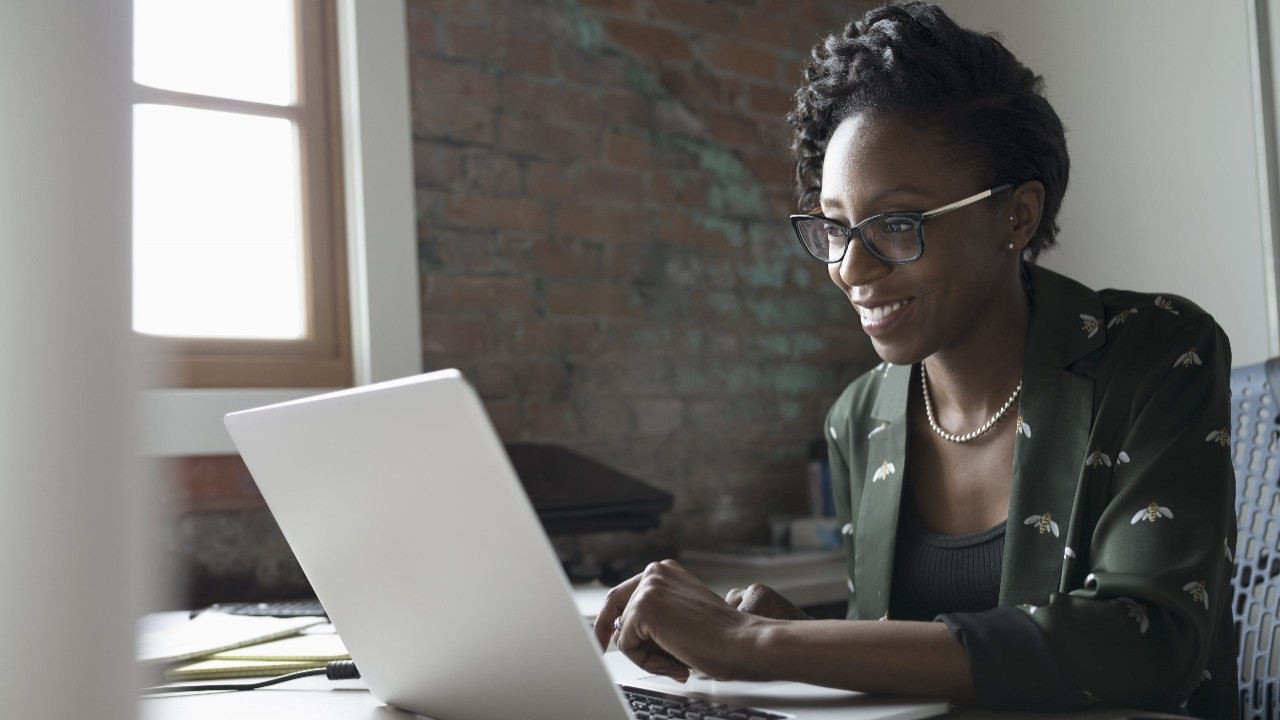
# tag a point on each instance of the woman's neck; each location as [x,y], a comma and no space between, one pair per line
[972,379]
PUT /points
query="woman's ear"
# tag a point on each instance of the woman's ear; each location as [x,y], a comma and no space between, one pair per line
[1026,203]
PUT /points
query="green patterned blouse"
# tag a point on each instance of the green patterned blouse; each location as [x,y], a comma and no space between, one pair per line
[1116,577]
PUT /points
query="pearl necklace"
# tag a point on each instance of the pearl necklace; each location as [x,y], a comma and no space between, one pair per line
[928,409]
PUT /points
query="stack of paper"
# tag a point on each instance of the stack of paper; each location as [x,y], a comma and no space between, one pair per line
[230,646]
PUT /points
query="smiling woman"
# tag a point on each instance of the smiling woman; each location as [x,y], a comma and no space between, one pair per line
[990,474]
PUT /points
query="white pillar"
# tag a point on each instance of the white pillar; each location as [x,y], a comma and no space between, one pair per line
[68,518]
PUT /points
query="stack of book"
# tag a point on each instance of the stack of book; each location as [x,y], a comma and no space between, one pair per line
[216,645]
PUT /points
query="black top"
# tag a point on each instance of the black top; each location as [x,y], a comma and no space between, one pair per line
[935,574]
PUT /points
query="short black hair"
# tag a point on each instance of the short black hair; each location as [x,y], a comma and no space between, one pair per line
[914,62]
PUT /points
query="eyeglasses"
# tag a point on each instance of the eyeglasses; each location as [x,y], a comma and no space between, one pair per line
[896,238]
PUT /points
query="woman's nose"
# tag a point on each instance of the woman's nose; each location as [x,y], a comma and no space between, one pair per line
[859,267]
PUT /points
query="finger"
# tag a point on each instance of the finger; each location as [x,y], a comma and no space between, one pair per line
[653,659]
[614,603]
[734,598]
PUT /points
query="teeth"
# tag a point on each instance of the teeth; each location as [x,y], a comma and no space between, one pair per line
[874,315]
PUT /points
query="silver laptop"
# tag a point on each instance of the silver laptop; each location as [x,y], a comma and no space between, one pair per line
[411,525]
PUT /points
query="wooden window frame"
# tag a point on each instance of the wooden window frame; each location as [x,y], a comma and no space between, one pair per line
[323,357]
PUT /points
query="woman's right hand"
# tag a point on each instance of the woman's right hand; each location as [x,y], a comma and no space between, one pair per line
[764,601]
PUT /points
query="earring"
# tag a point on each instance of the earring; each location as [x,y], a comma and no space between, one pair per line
[1010,246]
[1011,219]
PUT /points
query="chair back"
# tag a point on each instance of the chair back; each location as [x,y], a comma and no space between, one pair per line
[1255,433]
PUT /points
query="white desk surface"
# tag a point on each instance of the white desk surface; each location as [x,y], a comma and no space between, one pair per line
[317,698]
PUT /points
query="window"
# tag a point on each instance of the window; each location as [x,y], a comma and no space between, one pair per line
[238,244]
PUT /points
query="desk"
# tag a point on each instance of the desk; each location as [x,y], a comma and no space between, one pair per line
[317,698]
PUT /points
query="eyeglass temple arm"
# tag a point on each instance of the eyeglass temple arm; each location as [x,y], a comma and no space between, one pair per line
[967,201]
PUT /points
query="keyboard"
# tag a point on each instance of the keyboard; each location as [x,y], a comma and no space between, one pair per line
[278,608]
[654,705]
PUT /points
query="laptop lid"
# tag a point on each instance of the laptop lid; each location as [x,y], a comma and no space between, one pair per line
[407,518]
[409,521]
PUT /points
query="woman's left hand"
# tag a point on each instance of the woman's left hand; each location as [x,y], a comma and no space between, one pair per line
[669,622]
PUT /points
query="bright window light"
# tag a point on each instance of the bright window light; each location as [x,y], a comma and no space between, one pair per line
[241,49]
[217,249]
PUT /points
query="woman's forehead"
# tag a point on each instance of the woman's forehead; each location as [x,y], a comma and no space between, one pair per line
[872,155]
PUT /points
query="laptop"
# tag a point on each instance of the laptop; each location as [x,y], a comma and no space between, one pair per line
[409,521]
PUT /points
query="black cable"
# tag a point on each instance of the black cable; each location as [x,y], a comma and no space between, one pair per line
[334,670]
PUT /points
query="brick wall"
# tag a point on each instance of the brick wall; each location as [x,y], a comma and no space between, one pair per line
[602,191]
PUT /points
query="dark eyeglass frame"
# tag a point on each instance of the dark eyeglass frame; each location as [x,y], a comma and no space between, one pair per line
[918,219]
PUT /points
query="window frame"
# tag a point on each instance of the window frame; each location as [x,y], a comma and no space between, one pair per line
[382,266]
[322,357]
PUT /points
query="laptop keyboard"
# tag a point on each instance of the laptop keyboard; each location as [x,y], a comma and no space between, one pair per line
[654,705]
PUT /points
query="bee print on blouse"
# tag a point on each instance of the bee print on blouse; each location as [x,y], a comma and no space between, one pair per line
[1097,459]
[1138,612]
[1222,437]
[1226,550]
[1091,324]
[1187,359]
[1121,317]
[885,470]
[1023,427]
[1164,304]
[1151,513]
[1044,523]
[1198,593]
[879,429]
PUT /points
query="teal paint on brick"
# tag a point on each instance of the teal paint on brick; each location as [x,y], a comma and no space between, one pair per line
[789,409]
[731,229]
[781,311]
[798,379]
[763,273]
[777,345]
[805,343]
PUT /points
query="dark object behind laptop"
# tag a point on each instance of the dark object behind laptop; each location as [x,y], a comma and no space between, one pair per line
[575,494]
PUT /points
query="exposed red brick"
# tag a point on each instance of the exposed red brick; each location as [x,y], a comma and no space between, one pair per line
[771,168]
[473,41]
[594,220]
[567,258]
[213,483]
[478,293]
[422,35]
[506,417]
[436,165]
[550,180]
[550,419]
[589,298]
[612,183]
[454,337]
[532,57]
[742,59]
[731,128]
[619,6]
[677,228]
[649,40]
[628,149]
[528,136]
[550,100]
[770,100]
[491,174]
[767,30]
[701,15]
[451,100]
[480,211]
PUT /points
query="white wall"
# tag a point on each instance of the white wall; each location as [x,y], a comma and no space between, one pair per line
[1158,103]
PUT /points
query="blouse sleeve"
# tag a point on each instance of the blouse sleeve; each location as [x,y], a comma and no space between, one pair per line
[1140,630]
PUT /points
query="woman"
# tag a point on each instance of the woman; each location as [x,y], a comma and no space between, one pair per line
[1035,486]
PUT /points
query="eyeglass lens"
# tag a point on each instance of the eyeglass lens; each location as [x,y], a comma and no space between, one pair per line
[894,238]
